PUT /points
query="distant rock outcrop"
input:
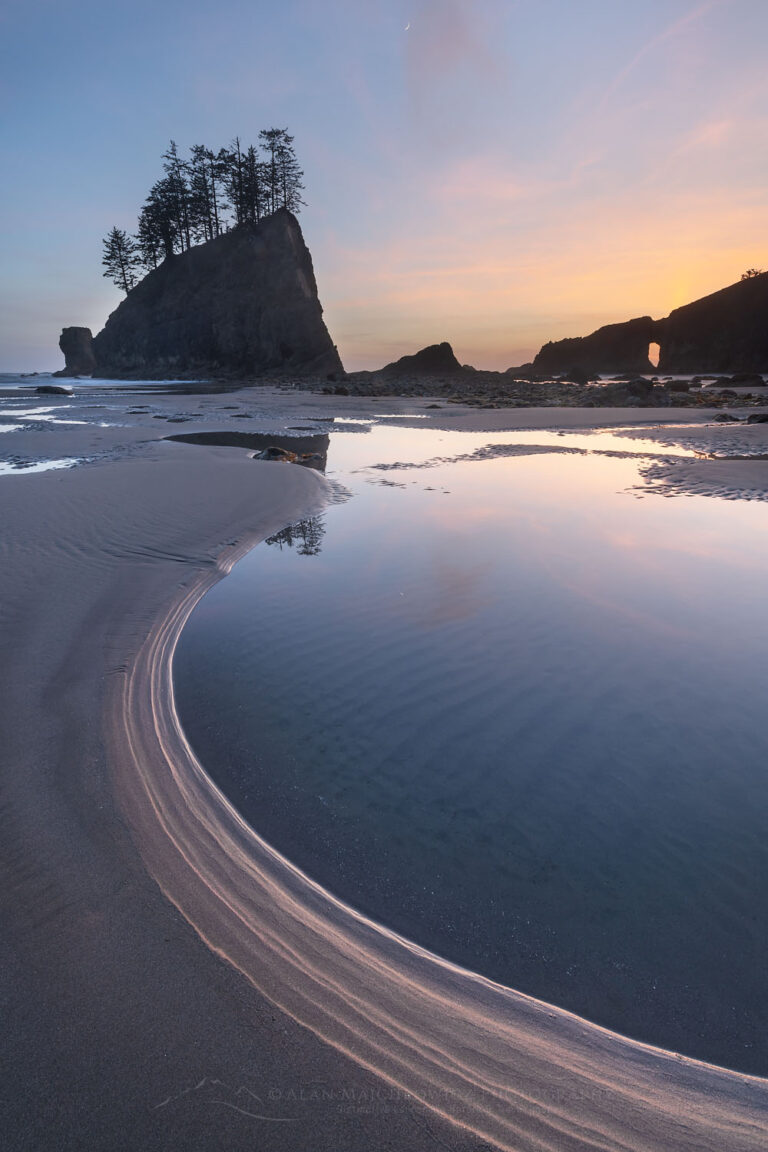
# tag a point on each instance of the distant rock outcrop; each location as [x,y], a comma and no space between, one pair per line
[436,360]
[724,332]
[613,349]
[244,303]
[77,346]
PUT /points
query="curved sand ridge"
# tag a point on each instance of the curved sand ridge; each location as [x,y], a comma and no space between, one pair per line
[510,1069]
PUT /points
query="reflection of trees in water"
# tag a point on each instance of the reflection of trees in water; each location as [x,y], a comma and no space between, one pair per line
[305,536]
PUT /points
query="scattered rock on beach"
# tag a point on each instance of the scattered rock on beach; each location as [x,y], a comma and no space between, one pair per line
[758,418]
[726,418]
[750,379]
[55,389]
[635,393]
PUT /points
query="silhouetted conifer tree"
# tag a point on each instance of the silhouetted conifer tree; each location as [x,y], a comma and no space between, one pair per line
[270,140]
[289,174]
[149,238]
[218,166]
[189,203]
[159,223]
[236,181]
[254,191]
[202,219]
[176,191]
[283,176]
[120,259]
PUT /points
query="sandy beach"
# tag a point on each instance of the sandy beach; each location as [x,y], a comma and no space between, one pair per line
[169,980]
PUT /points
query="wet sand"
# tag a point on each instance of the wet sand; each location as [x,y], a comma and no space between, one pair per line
[168,980]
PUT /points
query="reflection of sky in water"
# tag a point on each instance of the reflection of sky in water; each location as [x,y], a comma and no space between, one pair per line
[43,415]
[47,415]
[418,446]
[517,713]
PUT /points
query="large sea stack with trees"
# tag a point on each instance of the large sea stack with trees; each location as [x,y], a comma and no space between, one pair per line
[218,279]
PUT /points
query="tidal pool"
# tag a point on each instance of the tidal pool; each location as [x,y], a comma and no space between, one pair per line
[508,702]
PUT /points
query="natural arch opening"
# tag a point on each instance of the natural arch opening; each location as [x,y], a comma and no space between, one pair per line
[654,354]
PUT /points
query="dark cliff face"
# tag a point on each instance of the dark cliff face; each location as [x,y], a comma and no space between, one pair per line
[724,332]
[614,348]
[245,302]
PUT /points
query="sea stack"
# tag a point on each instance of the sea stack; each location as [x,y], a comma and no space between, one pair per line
[77,346]
[243,303]
[436,360]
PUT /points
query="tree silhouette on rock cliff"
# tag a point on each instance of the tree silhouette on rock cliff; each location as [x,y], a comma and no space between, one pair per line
[203,196]
[121,259]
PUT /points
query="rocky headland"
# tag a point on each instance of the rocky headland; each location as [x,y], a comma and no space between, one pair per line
[725,332]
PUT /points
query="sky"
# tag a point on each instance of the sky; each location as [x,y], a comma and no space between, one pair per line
[495,173]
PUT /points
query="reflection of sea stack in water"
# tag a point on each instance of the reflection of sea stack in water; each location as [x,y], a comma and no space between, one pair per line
[245,303]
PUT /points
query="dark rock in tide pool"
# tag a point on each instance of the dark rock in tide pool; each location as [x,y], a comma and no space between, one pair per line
[275,454]
[758,418]
[54,389]
[307,459]
[77,346]
[309,450]
[726,418]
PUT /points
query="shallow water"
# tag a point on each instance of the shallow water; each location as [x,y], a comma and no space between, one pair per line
[30,381]
[18,468]
[508,707]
